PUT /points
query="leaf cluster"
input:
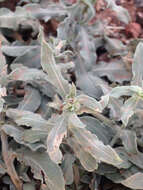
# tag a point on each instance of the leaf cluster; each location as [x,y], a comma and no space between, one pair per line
[63,117]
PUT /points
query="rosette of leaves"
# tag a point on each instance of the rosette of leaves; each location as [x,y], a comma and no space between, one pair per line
[68,125]
[39,140]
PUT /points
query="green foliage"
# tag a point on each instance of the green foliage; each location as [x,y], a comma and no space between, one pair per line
[54,129]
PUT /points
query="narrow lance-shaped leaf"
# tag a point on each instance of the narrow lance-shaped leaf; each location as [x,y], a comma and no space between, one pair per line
[31,101]
[49,65]
[29,119]
[18,135]
[129,109]
[75,121]
[137,66]
[135,181]
[3,67]
[89,104]
[27,74]
[129,140]
[125,91]
[1,104]
[87,49]
[67,168]
[86,159]
[91,144]
[55,138]
[114,70]
[115,106]
[41,162]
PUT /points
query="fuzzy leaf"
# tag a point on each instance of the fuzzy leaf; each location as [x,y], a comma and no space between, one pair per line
[3,68]
[129,140]
[29,119]
[26,74]
[75,121]
[50,11]
[30,58]
[9,19]
[104,133]
[89,84]
[18,134]
[1,104]
[115,106]
[67,168]
[49,65]
[55,138]
[115,71]
[91,144]
[125,91]
[89,104]
[16,51]
[87,49]
[41,162]
[137,67]
[32,136]
[86,159]
[134,182]
[31,101]
[129,108]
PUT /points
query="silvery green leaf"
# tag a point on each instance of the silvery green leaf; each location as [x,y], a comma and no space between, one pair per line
[104,101]
[30,58]
[28,186]
[38,161]
[73,120]
[137,67]
[115,106]
[103,132]
[129,108]
[52,10]
[91,144]
[9,19]
[32,136]
[1,104]
[129,140]
[134,181]
[3,68]
[26,74]
[88,83]
[86,159]
[115,71]
[125,91]
[49,65]
[17,51]
[89,104]
[55,137]
[31,101]
[86,49]
[18,134]
[29,119]
[67,168]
